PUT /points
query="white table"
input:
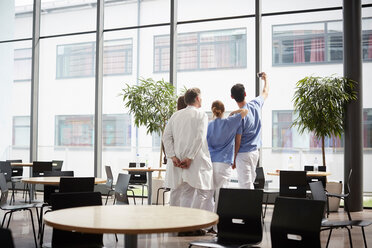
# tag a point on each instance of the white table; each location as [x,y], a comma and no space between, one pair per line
[130,220]
[149,178]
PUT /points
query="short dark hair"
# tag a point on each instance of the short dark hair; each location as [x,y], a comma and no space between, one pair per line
[238,92]
[190,95]
[181,103]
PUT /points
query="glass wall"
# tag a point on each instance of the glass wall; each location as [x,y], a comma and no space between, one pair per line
[211,55]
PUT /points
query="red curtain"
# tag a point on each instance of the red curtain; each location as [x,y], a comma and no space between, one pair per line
[298,51]
[317,50]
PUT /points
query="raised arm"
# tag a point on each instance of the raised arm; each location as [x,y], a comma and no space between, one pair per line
[265,91]
[242,112]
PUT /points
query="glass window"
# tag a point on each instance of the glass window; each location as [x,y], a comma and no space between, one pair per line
[318,42]
[116,130]
[78,60]
[78,130]
[21,131]
[367,128]
[282,132]
[156,141]
[22,64]
[206,50]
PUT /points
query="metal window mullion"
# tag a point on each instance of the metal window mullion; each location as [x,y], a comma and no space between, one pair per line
[35,81]
[258,43]
[173,44]
[98,90]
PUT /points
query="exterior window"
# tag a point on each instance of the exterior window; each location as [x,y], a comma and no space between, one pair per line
[332,141]
[21,131]
[206,50]
[318,42]
[116,130]
[78,60]
[282,132]
[74,130]
[78,130]
[367,128]
[22,64]
[156,141]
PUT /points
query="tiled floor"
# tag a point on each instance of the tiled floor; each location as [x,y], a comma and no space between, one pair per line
[22,233]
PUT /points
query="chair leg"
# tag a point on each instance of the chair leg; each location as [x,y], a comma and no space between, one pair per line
[42,235]
[164,197]
[329,237]
[351,242]
[4,218]
[347,208]
[157,196]
[10,217]
[33,226]
[116,237]
[267,199]
[143,191]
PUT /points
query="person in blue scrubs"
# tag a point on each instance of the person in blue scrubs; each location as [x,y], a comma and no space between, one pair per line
[248,137]
[220,137]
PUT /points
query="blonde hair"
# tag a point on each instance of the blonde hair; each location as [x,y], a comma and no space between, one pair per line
[218,108]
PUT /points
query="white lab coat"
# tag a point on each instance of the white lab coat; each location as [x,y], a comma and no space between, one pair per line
[185,136]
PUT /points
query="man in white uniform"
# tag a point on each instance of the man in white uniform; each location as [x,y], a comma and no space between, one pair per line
[185,143]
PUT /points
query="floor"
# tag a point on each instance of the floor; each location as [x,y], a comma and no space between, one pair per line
[22,233]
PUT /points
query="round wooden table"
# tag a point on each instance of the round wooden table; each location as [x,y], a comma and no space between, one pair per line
[53,180]
[130,220]
[308,173]
[149,178]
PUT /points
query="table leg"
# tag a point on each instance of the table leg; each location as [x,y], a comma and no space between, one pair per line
[130,241]
[149,192]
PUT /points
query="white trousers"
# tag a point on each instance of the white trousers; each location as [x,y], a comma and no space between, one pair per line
[246,163]
[221,176]
[186,196]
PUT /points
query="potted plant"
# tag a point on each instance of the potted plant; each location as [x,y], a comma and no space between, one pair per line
[151,103]
[320,105]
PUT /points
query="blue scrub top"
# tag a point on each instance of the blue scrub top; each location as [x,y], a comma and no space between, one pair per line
[221,136]
[251,126]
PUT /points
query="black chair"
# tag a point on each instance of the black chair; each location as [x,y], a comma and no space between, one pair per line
[322,168]
[239,224]
[309,168]
[296,223]
[39,168]
[138,178]
[344,196]
[75,239]
[6,238]
[76,184]
[109,181]
[260,183]
[319,193]
[121,190]
[10,209]
[292,184]
[7,170]
[57,165]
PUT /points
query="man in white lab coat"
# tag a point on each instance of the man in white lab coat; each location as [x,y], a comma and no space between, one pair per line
[185,142]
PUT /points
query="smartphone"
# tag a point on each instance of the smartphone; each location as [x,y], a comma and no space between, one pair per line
[259,74]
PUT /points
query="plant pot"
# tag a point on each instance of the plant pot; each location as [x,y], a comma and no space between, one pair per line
[156,184]
[334,202]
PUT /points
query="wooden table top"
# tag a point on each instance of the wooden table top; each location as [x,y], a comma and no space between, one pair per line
[53,180]
[130,219]
[144,169]
[308,173]
[22,164]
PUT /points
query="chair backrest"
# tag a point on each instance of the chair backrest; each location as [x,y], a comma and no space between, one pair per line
[39,167]
[17,171]
[70,200]
[309,168]
[137,177]
[57,165]
[322,179]
[76,184]
[4,190]
[293,184]
[110,177]
[240,221]
[6,169]
[6,238]
[121,189]
[59,173]
[259,182]
[322,168]
[296,223]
